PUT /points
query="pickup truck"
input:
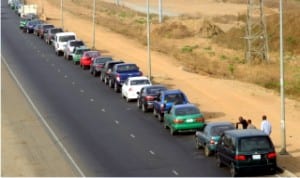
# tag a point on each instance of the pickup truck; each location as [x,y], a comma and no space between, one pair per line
[210,135]
[165,101]
[120,73]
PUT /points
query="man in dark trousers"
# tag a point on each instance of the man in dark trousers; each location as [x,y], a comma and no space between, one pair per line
[243,122]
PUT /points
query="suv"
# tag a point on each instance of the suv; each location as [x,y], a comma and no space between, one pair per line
[106,70]
[49,36]
[44,29]
[61,39]
[165,101]
[246,150]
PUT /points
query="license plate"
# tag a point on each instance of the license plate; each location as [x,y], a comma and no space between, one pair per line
[190,120]
[256,157]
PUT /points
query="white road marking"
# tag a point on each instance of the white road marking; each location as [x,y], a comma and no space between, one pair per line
[151,152]
[131,135]
[52,65]
[175,172]
[117,122]
[92,100]
[73,83]
[65,76]
[103,110]
[81,91]
[43,120]
[58,70]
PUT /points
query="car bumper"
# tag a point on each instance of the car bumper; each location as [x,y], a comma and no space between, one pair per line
[188,126]
[132,95]
[257,167]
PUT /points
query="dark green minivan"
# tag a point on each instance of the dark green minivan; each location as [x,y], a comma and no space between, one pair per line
[247,150]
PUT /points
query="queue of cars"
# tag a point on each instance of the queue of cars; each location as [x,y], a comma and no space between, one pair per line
[240,150]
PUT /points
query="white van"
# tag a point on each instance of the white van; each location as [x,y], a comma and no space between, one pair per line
[61,39]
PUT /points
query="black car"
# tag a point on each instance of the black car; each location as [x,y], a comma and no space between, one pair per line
[246,151]
[147,95]
[97,64]
[44,29]
[104,76]
[49,36]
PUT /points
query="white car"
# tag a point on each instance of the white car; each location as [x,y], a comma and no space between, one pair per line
[60,41]
[133,85]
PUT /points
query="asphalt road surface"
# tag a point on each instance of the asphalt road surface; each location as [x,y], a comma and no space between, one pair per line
[105,135]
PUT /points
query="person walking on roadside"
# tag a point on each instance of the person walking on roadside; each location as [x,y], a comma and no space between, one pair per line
[266,125]
[250,125]
[241,121]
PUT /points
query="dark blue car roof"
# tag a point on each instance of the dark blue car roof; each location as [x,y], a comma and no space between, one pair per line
[171,91]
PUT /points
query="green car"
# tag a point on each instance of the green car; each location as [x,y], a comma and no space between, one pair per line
[23,22]
[78,52]
[183,117]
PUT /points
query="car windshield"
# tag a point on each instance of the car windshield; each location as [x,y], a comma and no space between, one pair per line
[139,82]
[186,111]
[80,51]
[93,54]
[102,60]
[154,91]
[47,26]
[66,38]
[219,129]
[178,97]
[259,143]
[76,43]
[128,67]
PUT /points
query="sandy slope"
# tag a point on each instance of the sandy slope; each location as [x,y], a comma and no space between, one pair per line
[218,99]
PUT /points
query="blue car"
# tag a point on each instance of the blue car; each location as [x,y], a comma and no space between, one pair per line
[30,25]
[165,101]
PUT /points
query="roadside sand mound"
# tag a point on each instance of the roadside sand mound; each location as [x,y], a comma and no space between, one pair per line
[209,29]
[173,30]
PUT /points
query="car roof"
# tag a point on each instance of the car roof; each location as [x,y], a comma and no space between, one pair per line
[81,47]
[171,91]
[154,86]
[239,133]
[65,33]
[211,124]
[138,78]
[125,64]
[184,105]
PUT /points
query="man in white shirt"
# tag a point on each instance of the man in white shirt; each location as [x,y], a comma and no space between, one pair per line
[266,125]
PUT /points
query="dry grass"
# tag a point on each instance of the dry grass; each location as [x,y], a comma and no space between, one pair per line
[219,55]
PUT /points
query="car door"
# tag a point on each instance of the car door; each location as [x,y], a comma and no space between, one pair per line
[125,87]
[169,116]
[202,136]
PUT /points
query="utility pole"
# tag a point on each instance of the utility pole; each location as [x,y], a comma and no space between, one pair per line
[256,32]
[282,98]
[61,14]
[94,14]
[148,41]
[160,11]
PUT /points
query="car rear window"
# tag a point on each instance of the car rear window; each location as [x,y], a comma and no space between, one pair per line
[155,91]
[66,38]
[56,30]
[80,51]
[48,26]
[126,68]
[102,60]
[186,111]
[76,43]
[178,97]
[259,143]
[93,54]
[218,130]
[139,82]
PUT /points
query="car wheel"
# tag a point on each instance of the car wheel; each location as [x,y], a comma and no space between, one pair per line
[110,84]
[233,171]
[116,87]
[197,143]
[123,96]
[165,125]
[160,118]
[101,77]
[219,162]
[138,104]
[172,131]
[95,73]
[144,108]
[127,100]
[207,152]
[105,81]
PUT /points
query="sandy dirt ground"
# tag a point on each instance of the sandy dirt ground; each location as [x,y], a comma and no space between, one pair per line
[218,99]
[27,149]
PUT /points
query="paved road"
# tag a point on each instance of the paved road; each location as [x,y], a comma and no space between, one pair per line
[105,135]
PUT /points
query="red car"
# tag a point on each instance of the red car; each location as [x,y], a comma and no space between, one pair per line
[87,58]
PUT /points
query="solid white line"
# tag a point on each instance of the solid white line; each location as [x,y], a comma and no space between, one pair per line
[43,119]
[131,135]
[152,152]
[92,100]
[117,122]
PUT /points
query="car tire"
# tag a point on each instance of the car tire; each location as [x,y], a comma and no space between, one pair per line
[101,77]
[154,112]
[165,125]
[233,171]
[116,87]
[172,131]
[105,81]
[95,73]
[197,143]
[144,108]
[110,84]
[160,117]
[207,152]
[138,104]
[127,100]
[218,160]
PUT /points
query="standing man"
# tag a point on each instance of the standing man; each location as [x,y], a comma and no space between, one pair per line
[265,125]
[243,122]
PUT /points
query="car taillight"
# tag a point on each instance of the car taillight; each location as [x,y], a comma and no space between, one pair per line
[240,157]
[271,155]
[212,142]
[178,121]
[141,73]
[162,107]
[149,98]
[118,78]
[201,119]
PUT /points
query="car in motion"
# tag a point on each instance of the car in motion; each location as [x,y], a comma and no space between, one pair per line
[98,63]
[245,151]
[87,58]
[210,135]
[165,100]
[147,95]
[132,85]
[183,117]
[70,46]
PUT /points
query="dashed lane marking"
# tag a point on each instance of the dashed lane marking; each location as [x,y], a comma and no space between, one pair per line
[65,76]
[117,122]
[175,172]
[73,83]
[132,135]
[103,110]
[81,91]
[151,152]
[92,100]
